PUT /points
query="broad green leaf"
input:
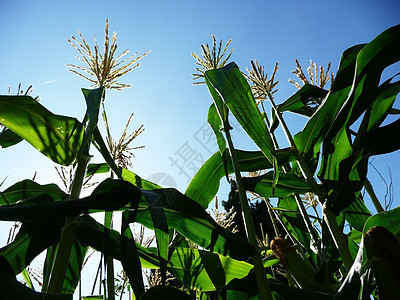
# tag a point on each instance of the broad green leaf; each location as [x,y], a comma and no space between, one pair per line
[13,289]
[102,148]
[288,184]
[216,125]
[32,239]
[388,219]
[198,268]
[205,183]
[204,270]
[308,141]
[130,257]
[57,137]
[246,288]
[100,168]
[293,221]
[160,225]
[27,188]
[110,195]
[75,264]
[357,214]
[127,175]
[344,161]
[93,100]
[8,138]
[381,140]
[367,93]
[382,105]
[232,88]
[192,221]
[299,103]
[138,181]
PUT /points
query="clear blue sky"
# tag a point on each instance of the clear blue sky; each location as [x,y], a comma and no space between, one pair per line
[34,51]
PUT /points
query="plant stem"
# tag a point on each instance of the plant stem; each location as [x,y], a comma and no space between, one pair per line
[338,238]
[263,284]
[329,217]
[374,198]
[68,233]
[271,216]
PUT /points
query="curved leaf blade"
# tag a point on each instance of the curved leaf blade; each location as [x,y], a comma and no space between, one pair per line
[232,87]
[57,137]
[205,183]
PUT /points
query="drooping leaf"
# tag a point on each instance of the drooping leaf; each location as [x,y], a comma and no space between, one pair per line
[101,146]
[57,137]
[13,289]
[299,102]
[32,239]
[199,269]
[27,188]
[192,221]
[127,175]
[350,287]
[205,183]
[138,181]
[288,184]
[108,196]
[8,138]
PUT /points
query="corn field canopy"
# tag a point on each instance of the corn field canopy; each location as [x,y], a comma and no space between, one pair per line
[322,241]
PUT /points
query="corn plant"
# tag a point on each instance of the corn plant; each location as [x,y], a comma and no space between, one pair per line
[326,166]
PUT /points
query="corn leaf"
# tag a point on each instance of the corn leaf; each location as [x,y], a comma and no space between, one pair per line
[205,183]
[288,184]
[344,163]
[57,137]
[8,138]
[27,188]
[229,87]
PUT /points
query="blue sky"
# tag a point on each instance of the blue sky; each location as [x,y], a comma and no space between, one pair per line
[34,51]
